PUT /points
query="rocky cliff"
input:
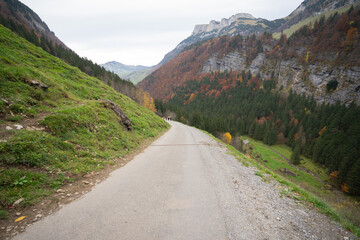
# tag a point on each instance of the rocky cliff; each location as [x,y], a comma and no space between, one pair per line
[238,24]
[310,79]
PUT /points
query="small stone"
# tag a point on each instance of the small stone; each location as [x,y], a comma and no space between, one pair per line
[18,126]
[68,195]
[98,180]
[9,128]
[278,219]
[2,228]
[60,190]
[86,182]
[34,210]
[76,193]
[39,216]
[18,213]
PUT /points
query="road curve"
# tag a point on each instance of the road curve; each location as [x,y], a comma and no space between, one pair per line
[184,186]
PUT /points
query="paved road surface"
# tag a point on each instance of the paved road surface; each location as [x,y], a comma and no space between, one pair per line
[183,186]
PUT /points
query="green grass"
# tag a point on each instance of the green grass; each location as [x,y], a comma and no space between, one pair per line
[309,21]
[275,162]
[81,134]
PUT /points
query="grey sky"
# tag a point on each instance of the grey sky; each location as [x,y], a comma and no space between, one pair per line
[140,32]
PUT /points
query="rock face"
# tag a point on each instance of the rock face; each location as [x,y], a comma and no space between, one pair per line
[309,79]
[232,61]
[123,119]
[239,24]
[217,26]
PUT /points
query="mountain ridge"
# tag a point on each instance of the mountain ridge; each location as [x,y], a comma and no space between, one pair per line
[133,73]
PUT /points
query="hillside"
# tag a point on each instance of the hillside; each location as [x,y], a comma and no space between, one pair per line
[57,125]
[130,72]
[313,8]
[20,14]
[27,24]
[307,63]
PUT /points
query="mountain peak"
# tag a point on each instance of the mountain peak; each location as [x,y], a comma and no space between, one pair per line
[215,25]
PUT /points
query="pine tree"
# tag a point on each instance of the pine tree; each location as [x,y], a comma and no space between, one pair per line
[353,179]
[295,156]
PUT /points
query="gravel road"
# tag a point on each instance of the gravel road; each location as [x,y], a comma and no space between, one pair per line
[185,186]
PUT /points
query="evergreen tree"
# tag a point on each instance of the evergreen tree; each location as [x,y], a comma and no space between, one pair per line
[295,156]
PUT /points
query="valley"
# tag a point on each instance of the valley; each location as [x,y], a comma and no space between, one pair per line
[248,129]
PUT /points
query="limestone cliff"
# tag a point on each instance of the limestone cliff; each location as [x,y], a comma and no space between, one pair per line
[309,79]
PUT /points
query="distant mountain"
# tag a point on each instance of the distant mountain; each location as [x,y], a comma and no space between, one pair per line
[130,72]
[23,15]
[238,24]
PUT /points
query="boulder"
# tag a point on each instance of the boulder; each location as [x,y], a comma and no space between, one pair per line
[123,119]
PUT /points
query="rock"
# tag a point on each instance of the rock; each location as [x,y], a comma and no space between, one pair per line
[18,126]
[232,61]
[68,195]
[33,128]
[9,128]
[60,190]
[18,213]
[287,172]
[123,119]
[18,201]
[37,84]
[86,182]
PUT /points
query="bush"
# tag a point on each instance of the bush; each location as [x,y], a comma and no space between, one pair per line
[332,85]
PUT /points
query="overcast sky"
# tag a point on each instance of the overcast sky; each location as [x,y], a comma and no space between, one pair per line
[140,32]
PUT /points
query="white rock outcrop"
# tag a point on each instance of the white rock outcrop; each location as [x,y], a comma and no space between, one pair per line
[217,26]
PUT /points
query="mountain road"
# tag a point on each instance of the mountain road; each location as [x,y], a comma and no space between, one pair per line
[185,185]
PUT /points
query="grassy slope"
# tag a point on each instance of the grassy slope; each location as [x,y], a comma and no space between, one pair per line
[310,181]
[81,135]
[310,20]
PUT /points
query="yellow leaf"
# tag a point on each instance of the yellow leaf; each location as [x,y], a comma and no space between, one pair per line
[20,218]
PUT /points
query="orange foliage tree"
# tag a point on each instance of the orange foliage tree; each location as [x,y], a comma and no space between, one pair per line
[227,137]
